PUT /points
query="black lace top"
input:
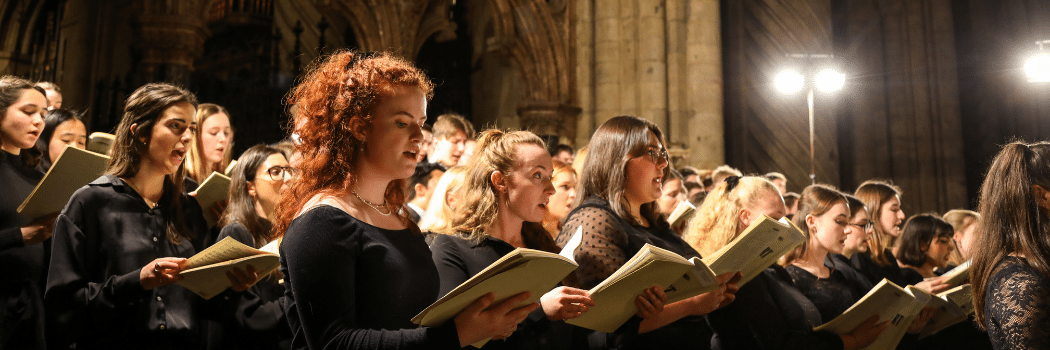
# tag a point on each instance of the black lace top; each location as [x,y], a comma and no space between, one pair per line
[1017,306]
[608,242]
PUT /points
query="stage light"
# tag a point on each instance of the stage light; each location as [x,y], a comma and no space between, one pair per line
[789,81]
[1038,68]
[830,80]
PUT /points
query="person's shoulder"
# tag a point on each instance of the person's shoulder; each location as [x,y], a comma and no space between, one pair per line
[238,232]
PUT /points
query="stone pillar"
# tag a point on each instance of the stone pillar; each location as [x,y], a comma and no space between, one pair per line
[607,59]
[167,45]
[706,144]
[585,68]
[549,120]
[652,63]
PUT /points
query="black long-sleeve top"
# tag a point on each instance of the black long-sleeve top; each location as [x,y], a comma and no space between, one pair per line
[863,263]
[770,313]
[458,259]
[103,238]
[23,269]
[608,241]
[351,285]
[258,321]
[832,295]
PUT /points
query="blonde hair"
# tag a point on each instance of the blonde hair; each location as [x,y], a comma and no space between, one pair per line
[438,215]
[717,220]
[195,162]
[961,220]
[551,223]
[497,151]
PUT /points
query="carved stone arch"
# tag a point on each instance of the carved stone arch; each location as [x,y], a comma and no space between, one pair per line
[528,33]
[400,26]
[18,20]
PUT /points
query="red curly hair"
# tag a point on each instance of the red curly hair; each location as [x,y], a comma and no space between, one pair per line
[339,88]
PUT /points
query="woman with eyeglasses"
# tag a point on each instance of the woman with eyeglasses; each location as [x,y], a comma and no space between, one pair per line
[122,240]
[616,207]
[787,316]
[258,179]
[356,268]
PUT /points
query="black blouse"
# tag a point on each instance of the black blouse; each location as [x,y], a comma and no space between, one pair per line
[351,285]
[1017,306]
[258,321]
[458,259]
[23,269]
[785,317]
[863,263]
[103,238]
[832,295]
[608,242]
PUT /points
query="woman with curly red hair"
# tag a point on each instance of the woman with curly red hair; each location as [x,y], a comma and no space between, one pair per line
[356,268]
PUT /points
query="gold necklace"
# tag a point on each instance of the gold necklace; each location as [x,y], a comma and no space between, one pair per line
[141,194]
[388,211]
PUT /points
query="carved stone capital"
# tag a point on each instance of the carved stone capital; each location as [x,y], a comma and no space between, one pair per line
[550,119]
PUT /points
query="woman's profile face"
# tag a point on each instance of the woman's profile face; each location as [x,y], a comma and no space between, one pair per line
[859,229]
[529,185]
[564,194]
[672,193]
[829,228]
[940,251]
[272,177]
[71,133]
[170,139]
[891,217]
[770,204]
[395,136]
[645,173]
[216,135]
[23,121]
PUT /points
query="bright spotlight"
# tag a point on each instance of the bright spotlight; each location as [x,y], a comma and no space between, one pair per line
[789,81]
[830,80]
[1038,68]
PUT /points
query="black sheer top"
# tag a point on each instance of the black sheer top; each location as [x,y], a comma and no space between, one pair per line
[351,285]
[258,320]
[103,238]
[608,242]
[458,259]
[1017,306]
[23,269]
[863,263]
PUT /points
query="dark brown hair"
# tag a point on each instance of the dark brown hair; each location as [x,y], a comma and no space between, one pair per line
[144,108]
[1012,221]
[241,208]
[919,232]
[341,88]
[604,171]
[11,89]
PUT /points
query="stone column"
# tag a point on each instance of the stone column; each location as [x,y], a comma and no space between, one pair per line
[706,129]
[652,63]
[607,58]
[585,63]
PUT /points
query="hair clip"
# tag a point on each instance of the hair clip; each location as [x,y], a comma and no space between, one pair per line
[731,182]
[360,56]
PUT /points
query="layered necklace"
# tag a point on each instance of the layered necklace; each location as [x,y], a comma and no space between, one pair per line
[388,211]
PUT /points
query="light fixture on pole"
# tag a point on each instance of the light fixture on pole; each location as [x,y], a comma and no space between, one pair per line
[791,80]
[1037,68]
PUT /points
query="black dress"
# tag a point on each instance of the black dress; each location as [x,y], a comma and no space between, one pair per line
[23,269]
[258,321]
[608,242]
[832,295]
[770,313]
[351,285]
[458,259]
[103,237]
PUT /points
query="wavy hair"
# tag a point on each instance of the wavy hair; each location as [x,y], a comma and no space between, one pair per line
[341,88]
[195,162]
[438,217]
[815,200]
[874,193]
[479,206]
[1013,222]
[717,220]
[144,108]
[604,172]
